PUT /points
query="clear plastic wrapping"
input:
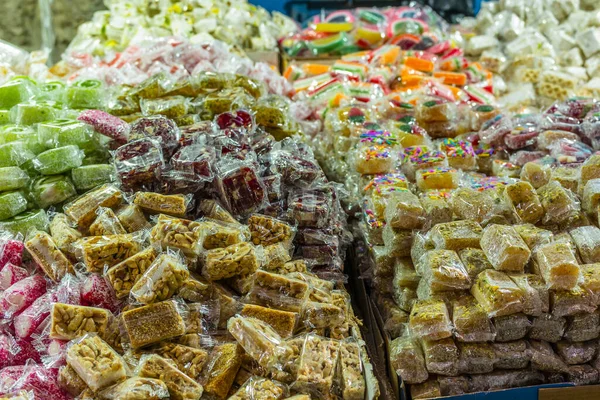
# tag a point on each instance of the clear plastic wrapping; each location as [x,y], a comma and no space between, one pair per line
[511,327]
[429,320]
[536,298]
[547,327]
[476,358]
[511,355]
[152,323]
[471,322]
[497,293]
[504,248]
[441,356]
[543,357]
[456,235]
[576,352]
[583,327]
[408,360]
[443,271]
[558,265]
[587,240]
[570,302]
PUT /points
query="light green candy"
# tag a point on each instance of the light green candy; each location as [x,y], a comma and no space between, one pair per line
[4,117]
[85,94]
[26,222]
[11,204]
[64,132]
[17,90]
[49,190]
[15,154]
[54,91]
[12,178]
[90,176]
[59,160]
[33,113]
[25,134]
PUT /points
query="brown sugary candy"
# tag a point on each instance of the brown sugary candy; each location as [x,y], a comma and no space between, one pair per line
[278,291]
[317,315]
[352,379]
[132,218]
[152,323]
[476,358]
[471,322]
[63,234]
[511,327]
[497,293]
[175,232]
[106,223]
[96,363]
[237,259]
[316,368]
[283,322]
[576,352]
[441,356]
[265,230]
[99,252]
[267,388]
[453,385]
[426,390]
[125,274]
[544,358]
[582,374]
[226,360]
[69,322]
[511,355]
[475,261]
[161,280]
[70,382]
[429,320]
[189,360]
[48,256]
[582,327]
[137,388]
[547,327]
[195,289]
[83,209]
[155,203]
[180,386]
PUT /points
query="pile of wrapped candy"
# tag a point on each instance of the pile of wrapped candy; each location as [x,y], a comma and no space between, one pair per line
[239,24]
[545,50]
[342,32]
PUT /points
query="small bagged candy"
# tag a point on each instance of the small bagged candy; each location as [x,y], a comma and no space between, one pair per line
[227,262]
[456,235]
[21,295]
[460,154]
[547,327]
[567,177]
[26,221]
[311,208]
[436,206]
[59,160]
[525,202]
[404,211]
[471,322]
[437,178]
[176,233]
[429,320]
[576,352]
[226,360]
[99,252]
[65,132]
[511,355]
[267,231]
[106,223]
[68,322]
[195,162]
[536,300]
[591,196]
[15,91]
[161,280]
[152,323]
[63,234]
[537,174]
[88,177]
[558,265]
[582,374]
[441,356]
[570,302]
[426,390]
[239,186]
[443,271]
[474,261]
[137,388]
[497,293]
[472,204]
[476,358]
[106,124]
[33,112]
[587,240]
[50,190]
[376,159]
[420,157]
[533,236]
[511,327]
[15,154]
[96,363]
[278,291]
[504,248]
[132,218]
[83,209]
[558,202]
[138,163]
[159,127]
[544,358]
[125,274]
[48,256]
[322,353]
[88,93]
[12,204]
[154,203]
[13,178]
[583,327]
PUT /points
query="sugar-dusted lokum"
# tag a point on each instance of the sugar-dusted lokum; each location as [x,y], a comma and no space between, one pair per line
[537,174]
[504,248]
[525,201]
[497,293]
[511,327]
[456,235]
[559,203]
[408,360]
[96,363]
[404,211]
[558,265]
[429,320]
[511,355]
[441,356]
[71,321]
[437,178]
[570,302]
[476,358]
[536,299]
[547,327]
[532,235]
[152,323]
[443,271]
[471,322]
[587,240]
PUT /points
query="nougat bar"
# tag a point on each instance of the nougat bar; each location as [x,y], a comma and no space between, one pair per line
[152,323]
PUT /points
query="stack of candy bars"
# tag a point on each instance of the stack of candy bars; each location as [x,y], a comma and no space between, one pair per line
[544,50]
[243,25]
[47,156]
[347,31]
[126,297]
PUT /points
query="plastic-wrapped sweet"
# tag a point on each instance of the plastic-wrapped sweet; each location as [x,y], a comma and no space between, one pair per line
[138,163]
[558,265]
[317,363]
[476,358]
[511,327]
[460,154]
[47,256]
[591,196]
[537,174]
[576,352]
[437,178]
[49,190]
[571,302]
[536,298]
[443,271]
[587,240]
[471,322]
[590,169]
[13,178]
[435,110]
[429,320]
[583,327]
[175,205]
[456,235]
[404,211]
[547,327]
[137,388]
[497,293]
[404,275]
[474,261]
[397,241]
[310,208]
[525,201]
[504,248]
[152,323]
[237,259]
[160,128]
[533,236]
[441,356]
[582,374]
[88,93]
[543,358]
[15,91]
[420,157]
[163,278]
[12,204]
[195,162]
[427,390]
[33,112]
[239,186]
[511,355]
[471,204]
[375,159]
[436,207]
[15,154]
[567,177]
[180,385]
[106,124]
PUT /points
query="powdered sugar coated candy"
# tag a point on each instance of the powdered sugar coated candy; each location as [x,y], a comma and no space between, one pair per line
[11,274]
[96,292]
[21,295]
[11,251]
[41,380]
[106,124]
[27,322]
